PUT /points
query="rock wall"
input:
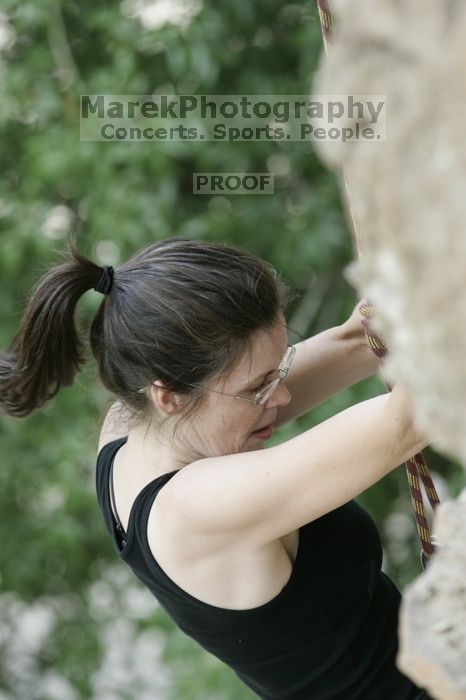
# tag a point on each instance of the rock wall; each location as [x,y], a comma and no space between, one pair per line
[408,198]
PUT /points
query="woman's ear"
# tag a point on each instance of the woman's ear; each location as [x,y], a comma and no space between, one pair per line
[164,399]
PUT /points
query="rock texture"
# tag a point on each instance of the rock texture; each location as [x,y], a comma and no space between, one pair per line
[408,199]
[432,626]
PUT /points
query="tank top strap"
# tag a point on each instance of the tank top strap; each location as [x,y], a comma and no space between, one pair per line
[105,460]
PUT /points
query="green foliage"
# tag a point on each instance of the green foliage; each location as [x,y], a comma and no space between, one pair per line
[120,197]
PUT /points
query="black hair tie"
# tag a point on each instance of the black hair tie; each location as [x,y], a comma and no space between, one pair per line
[104,284]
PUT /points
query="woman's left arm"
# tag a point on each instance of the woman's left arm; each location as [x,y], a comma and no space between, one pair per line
[326,364]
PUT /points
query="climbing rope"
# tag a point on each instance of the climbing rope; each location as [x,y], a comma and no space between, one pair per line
[416,467]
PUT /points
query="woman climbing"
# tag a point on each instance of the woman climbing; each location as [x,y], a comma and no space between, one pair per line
[260,554]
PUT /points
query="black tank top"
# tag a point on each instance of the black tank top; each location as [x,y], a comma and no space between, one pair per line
[331,632]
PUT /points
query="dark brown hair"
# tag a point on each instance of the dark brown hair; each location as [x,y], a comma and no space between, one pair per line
[179,310]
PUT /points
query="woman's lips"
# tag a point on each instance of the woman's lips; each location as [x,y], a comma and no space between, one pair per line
[264,433]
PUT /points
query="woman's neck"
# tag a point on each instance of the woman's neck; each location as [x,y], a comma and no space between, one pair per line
[154,453]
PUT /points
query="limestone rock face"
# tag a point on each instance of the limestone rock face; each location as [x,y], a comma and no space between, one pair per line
[432,632]
[408,198]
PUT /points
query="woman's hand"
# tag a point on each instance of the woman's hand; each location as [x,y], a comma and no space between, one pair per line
[354,325]
[354,329]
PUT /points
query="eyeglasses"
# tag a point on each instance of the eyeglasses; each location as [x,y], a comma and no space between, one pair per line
[267,389]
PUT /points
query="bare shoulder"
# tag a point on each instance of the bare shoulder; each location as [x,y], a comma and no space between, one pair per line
[262,495]
[222,569]
[116,424]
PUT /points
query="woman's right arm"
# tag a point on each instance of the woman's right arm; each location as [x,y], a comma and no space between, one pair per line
[265,494]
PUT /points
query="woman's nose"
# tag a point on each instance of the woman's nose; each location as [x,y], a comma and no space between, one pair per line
[280,397]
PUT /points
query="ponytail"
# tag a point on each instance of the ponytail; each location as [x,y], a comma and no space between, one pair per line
[182,311]
[48,350]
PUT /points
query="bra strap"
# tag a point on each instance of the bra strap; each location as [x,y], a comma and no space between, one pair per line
[119,526]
